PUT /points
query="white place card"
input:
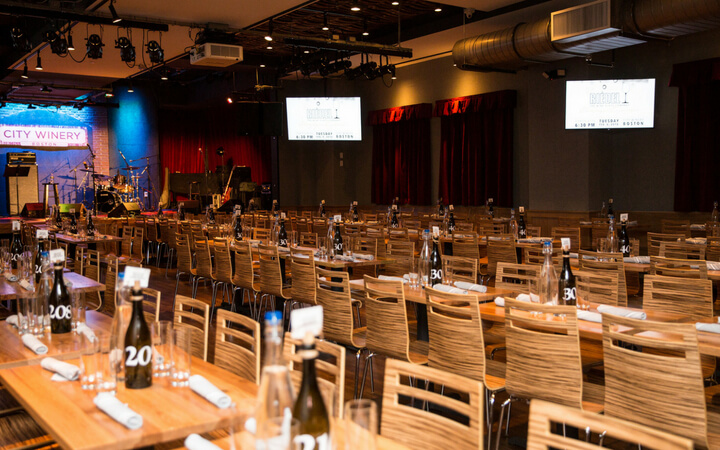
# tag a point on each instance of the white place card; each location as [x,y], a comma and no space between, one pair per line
[133,274]
[521,209]
[565,242]
[306,320]
[623,217]
[57,255]
[337,218]
[16,225]
[42,234]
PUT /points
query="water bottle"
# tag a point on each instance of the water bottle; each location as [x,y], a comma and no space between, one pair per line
[424,260]
[548,282]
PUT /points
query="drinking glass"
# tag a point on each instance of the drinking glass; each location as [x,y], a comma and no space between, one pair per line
[106,373]
[26,312]
[162,348]
[180,351]
[5,256]
[361,424]
[281,433]
[447,277]
[89,361]
[77,304]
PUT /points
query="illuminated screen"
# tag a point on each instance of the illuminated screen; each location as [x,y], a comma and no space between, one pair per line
[604,104]
[324,118]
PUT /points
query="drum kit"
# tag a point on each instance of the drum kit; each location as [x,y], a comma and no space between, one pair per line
[111,191]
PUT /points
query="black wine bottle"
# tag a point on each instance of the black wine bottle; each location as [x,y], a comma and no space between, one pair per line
[73,222]
[490,210]
[394,220]
[441,207]
[58,217]
[522,230]
[59,303]
[138,346]
[355,215]
[38,259]
[566,281]
[623,239]
[322,209]
[238,228]
[309,408]
[451,220]
[210,214]
[180,212]
[282,234]
[610,211]
[90,226]
[337,240]
[436,271]
[16,247]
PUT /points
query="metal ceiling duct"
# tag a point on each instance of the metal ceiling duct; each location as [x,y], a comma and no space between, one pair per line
[531,42]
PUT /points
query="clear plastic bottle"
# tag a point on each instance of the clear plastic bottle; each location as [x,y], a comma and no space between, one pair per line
[44,286]
[603,211]
[513,223]
[612,239]
[329,239]
[548,282]
[275,397]
[424,259]
[118,329]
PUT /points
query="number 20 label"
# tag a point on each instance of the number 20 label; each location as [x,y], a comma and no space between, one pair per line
[135,357]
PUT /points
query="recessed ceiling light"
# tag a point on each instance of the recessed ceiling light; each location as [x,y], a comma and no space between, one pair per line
[355,7]
[395,3]
[268,37]
[262,65]
[306,51]
[269,47]
[438,9]
[38,64]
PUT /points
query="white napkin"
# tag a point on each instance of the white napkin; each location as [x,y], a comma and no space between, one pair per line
[297,255]
[637,259]
[66,370]
[10,277]
[499,301]
[358,282]
[470,286]
[12,320]
[388,278]
[118,410]
[34,344]
[344,258]
[450,289]
[697,226]
[534,240]
[197,442]
[589,316]
[528,298]
[283,250]
[709,327]
[696,241]
[86,330]
[26,285]
[364,256]
[617,311]
[574,255]
[201,386]
[713,265]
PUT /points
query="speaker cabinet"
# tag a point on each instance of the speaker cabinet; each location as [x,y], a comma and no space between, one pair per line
[190,206]
[32,210]
[125,209]
[26,186]
[66,207]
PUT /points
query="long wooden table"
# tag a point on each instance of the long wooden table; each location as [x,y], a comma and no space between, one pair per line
[12,290]
[61,346]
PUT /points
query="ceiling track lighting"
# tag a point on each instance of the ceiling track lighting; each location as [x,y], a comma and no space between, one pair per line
[325,23]
[25,71]
[156,52]
[268,36]
[94,46]
[130,88]
[20,40]
[58,43]
[115,17]
[355,6]
[365,29]
[38,64]
[127,50]
[70,46]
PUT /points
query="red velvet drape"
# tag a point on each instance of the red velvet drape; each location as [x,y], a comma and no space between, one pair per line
[183,132]
[401,154]
[698,134]
[476,155]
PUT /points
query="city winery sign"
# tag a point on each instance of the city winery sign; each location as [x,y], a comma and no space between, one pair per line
[36,136]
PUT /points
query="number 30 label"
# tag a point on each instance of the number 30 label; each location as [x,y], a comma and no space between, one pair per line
[135,357]
[60,312]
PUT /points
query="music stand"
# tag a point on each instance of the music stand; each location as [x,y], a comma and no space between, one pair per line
[17,172]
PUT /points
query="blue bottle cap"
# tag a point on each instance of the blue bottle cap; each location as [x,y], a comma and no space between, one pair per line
[273,317]
[45,254]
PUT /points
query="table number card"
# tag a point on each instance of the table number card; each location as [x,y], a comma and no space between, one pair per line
[337,218]
[57,255]
[133,274]
[42,234]
[565,243]
[623,217]
[306,320]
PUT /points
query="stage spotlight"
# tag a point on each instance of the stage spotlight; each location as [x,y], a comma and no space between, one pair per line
[369,70]
[94,46]
[115,17]
[58,44]
[388,69]
[325,24]
[127,50]
[38,63]
[25,72]
[71,47]
[156,53]
[355,6]
[20,40]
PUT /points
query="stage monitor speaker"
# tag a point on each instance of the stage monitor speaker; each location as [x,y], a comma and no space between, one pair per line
[131,209]
[248,117]
[190,206]
[32,210]
[272,118]
[66,207]
[229,206]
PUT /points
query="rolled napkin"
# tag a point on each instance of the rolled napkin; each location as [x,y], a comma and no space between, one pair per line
[344,258]
[197,442]
[534,240]
[574,255]
[712,265]
[358,282]
[283,250]
[34,344]
[470,286]
[107,403]
[590,258]
[387,278]
[499,301]
[66,370]
[450,289]
[12,320]
[697,226]
[618,311]
[709,327]
[201,386]
[696,241]
[589,316]
[10,277]
[86,330]
[364,256]
[528,298]
[637,259]
[26,285]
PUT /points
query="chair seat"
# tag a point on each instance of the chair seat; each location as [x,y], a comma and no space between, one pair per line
[418,353]
[592,407]
[359,337]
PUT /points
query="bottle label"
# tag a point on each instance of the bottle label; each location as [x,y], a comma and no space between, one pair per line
[16,225]
[339,248]
[133,274]
[625,249]
[623,217]
[436,276]
[569,295]
[521,209]
[57,255]
[309,442]
[136,357]
[337,218]
[283,243]
[522,233]
[60,312]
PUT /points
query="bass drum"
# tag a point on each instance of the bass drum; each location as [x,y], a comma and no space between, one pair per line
[107,200]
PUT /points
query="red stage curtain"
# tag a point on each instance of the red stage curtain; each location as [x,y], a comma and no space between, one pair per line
[698,134]
[183,132]
[476,155]
[401,154]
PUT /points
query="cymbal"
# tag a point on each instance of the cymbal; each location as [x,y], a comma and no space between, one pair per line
[130,168]
[101,176]
[86,170]
[124,189]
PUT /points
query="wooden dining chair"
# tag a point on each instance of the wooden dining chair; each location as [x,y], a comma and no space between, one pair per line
[302,266]
[533,231]
[194,315]
[545,416]
[403,254]
[431,429]
[222,275]
[92,271]
[388,331]
[682,250]
[466,245]
[184,261]
[535,255]
[680,268]
[457,268]
[457,344]
[237,345]
[79,260]
[684,296]
[203,269]
[500,251]
[308,239]
[543,356]
[261,234]
[518,278]
[271,278]
[333,294]
[594,286]
[674,226]
[613,262]
[330,368]
[151,304]
[672,398]
[654,240]
[568,232]
[137,245]
[464,227]
[398,233]
[712,250]
[320,226]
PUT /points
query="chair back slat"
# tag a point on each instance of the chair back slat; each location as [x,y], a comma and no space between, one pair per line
[520,278]
[237,345]
[334,297]
[690,297]
[194,315]
[457,268]
[387,326]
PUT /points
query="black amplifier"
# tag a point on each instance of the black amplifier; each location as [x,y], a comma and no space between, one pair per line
[21,158]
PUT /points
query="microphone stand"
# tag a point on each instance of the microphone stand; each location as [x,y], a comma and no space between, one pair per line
[94,189]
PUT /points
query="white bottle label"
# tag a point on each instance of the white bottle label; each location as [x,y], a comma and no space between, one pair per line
[565,242]
[137,357]
[60,312]
[309,442]
[521,209]
[569,294]
[623,217]
[16,225]
[57,255]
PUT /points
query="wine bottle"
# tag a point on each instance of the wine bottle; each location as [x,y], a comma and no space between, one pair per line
[321,212]
[436,270]
[612,240]
[603,211]
[338,240]
[441,207]
[610,211]
[41,242]
[355,215]
[58,217]
[490,210]
[275,394]
[73,222]
[238,228]
[623,239]
[548,282]
[282,234]
[16,247]
[424,259]
[715,216]
[180,212]
[90,225]
[513,224]
[210,214]
[451,220]
[310,409]
[522,231]
[138,345]
[275,207]
[394,220]
[59,299]
[566,283]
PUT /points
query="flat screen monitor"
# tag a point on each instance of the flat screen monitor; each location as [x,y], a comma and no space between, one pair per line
[609,104]
[324,118]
